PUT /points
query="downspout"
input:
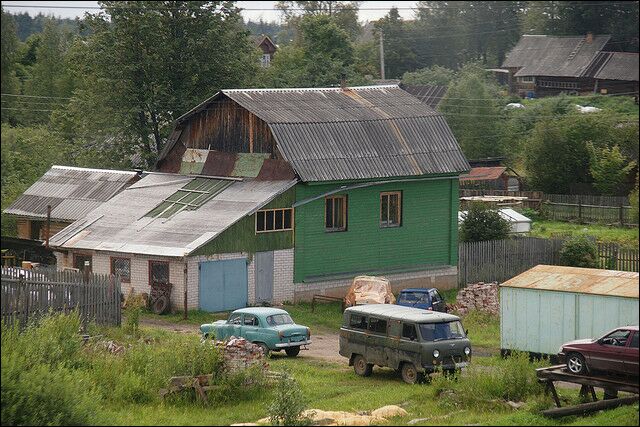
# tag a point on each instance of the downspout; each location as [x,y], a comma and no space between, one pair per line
[186,286]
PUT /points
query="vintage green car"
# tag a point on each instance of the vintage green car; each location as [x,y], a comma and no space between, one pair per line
[270,328]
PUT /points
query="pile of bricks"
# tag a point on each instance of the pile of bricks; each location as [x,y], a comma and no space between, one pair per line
[479,296]
[241,354]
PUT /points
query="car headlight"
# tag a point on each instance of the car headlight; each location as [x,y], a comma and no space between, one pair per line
[467,351]
[436,353]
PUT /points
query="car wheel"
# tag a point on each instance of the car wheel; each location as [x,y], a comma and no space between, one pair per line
[361,367]
[292,351]
[576,364]
[265,349]
[409,373]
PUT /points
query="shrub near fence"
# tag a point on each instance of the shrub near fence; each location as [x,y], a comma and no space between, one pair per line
[500,260]
[29,294]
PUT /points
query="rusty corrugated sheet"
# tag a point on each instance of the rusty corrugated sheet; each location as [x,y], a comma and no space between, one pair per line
[276,170]
[357,133]
[72,192]
[557,56]
[219,163]
[484,174]
[579,280]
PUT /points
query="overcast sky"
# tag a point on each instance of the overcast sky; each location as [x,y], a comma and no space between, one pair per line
[78,8]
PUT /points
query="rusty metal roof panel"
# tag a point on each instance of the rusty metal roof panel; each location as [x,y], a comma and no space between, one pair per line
[577,280]
[557,56]
[72,192]
[121,224]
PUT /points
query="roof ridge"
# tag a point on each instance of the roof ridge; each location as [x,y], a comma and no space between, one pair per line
[311,89]
[78,168]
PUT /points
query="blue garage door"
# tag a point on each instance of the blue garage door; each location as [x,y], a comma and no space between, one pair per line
[223,285]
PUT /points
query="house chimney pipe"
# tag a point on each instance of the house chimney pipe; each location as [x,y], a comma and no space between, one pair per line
[589,37]
[343,81]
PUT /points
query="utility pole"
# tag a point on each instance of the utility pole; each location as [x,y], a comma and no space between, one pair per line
[381,56]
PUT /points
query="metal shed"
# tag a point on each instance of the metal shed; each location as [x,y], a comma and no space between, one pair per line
[547,306]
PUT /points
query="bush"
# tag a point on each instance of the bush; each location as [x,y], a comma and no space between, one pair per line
[579,251]
[483,223]
[532,214]
[513,378]
[288,404]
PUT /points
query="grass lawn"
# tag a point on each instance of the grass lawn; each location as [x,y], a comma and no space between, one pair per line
[603,233]
[330,386]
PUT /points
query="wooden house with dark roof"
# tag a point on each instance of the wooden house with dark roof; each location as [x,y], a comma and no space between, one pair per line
[272,195]
[268,49]
[541,65]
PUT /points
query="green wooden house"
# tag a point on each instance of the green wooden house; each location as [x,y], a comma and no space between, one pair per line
[360,180]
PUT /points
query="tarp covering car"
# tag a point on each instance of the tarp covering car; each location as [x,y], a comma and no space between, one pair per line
[369,290]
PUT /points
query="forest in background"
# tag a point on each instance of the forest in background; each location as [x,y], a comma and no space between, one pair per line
[104,90]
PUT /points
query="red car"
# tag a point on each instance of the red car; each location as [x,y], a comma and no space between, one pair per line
[617,351]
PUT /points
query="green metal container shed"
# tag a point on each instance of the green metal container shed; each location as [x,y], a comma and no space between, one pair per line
[547,306]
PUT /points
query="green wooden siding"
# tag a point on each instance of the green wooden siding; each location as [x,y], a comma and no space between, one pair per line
[427,237]
[242,237]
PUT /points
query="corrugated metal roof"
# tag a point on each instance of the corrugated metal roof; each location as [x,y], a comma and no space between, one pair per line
[429,94]
[354,133]
[617,66]
[72,192]
[120,225]
[484,173]
[579,280]
[556,56]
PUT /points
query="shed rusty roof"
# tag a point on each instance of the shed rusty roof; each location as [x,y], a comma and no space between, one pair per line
[580,280]
[352,133]
[557,56]
[71,192]
[484,173]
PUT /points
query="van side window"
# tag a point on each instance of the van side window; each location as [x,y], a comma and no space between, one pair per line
[377,325]
[358,321]
[409,332]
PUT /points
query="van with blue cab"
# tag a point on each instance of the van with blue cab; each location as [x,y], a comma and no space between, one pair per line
[424,298]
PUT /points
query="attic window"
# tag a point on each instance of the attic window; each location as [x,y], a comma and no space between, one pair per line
[274,220]
[190,197]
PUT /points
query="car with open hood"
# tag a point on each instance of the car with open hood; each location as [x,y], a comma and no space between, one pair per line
[272,329]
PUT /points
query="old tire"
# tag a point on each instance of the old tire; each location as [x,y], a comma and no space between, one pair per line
[161,305]
[265,349]
[292,351]
[361,367]
[409,373]
[576,364]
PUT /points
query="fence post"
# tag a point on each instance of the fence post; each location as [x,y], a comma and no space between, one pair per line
[621,215]
[579,209]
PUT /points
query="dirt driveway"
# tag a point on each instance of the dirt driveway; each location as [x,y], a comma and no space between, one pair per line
[324,346]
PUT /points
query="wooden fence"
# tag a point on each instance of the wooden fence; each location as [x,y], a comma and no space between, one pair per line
[612,256]
[500,260]
[29,294]
[594,214]
[587,199]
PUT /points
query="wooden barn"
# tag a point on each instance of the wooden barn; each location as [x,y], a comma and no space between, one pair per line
[541,65]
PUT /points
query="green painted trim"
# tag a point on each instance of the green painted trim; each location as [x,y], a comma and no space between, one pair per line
[242,236]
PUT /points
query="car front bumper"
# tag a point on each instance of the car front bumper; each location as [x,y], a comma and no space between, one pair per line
[293,344]
[446,366]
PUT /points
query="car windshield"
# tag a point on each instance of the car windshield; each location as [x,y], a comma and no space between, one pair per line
[279,319]
[441,331]
[413,298]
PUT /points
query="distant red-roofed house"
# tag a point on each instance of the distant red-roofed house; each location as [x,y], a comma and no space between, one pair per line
[491,178]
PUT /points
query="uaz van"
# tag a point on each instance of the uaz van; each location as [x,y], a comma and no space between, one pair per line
[412,341]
